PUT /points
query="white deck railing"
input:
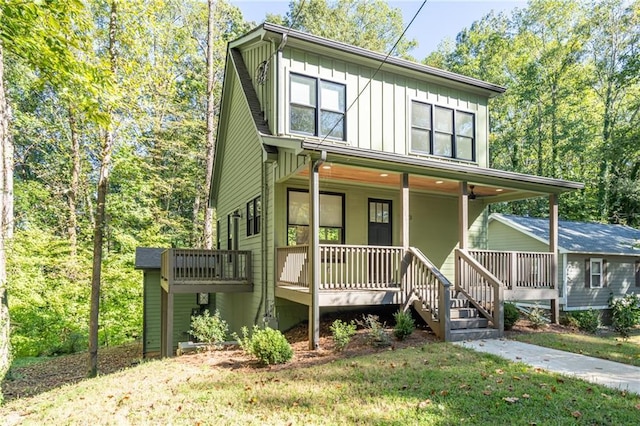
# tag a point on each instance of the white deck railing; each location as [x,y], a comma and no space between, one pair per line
[516,269]
[196,266]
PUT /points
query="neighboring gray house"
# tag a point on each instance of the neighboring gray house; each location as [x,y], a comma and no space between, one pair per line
[595,260]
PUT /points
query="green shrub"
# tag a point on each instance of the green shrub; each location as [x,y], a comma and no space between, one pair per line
[625,313]
[342,333]
[269,346]
[209,329]
[376,333]
[404,325]
[569,320]
[587,321]
[536,317]
[511,315]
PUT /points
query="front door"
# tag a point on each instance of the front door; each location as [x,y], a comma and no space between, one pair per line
[380,271]
[379,222]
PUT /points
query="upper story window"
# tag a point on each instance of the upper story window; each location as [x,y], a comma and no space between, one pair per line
[441,131]
[317,107]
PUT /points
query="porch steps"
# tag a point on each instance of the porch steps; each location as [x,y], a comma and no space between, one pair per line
[465,322]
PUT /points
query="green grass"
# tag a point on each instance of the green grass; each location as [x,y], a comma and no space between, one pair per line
[611,347]
[436,384]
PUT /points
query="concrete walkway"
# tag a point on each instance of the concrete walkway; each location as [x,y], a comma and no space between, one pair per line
[594,370]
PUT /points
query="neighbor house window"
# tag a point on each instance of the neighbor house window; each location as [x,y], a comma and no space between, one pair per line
[596,273]
[254,209]
[317,107]
[441,131]
[331,218]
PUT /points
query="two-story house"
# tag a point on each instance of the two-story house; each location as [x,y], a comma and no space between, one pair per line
[343,178]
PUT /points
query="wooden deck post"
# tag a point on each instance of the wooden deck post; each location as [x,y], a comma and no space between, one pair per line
[314,251]
[553,248]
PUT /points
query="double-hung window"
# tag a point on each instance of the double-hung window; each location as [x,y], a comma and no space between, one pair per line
[331,218]
[444,132]
[254,210]
[317,107]
[596,272]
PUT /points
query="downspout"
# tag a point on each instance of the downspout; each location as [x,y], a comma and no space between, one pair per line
[314,253]
[263,231]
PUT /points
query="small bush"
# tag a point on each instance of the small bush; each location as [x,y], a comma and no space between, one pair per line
[511,315]
[209,329]
[342,333]
[376,333]
[269,346]
[536,317]
[569,320]
[404,325]
[587,321]
[625,313]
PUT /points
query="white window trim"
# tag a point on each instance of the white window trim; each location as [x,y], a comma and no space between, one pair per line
[591,262]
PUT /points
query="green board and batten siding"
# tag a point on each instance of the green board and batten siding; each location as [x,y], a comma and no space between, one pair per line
[379,119]
[241,182]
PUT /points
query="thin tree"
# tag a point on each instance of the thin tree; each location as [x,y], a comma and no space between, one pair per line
[210,143]
[100,217]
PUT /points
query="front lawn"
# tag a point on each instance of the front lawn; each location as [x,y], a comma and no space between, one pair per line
[431,384]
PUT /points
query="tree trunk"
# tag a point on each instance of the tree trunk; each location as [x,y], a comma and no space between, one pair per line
[5,142]
[210,143]
[72,194]
[98,229]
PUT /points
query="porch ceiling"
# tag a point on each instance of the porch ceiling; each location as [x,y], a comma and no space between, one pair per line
[430,184]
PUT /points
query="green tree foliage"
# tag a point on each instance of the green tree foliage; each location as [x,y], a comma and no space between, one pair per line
[372,25]
[571,106]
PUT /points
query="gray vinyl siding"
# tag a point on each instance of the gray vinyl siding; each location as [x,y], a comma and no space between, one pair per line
[620,280]
[240,182]
[380,118]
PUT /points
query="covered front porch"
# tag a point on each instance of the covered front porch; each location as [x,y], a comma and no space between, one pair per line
[317,274]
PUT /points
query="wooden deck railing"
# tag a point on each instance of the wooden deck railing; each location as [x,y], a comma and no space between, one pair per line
[342,266]
[195,266]
[517,269]
[481,287]
[424,281]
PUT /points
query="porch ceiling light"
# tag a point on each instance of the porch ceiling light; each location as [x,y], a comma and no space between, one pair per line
[499,189]
[326,167]
[438,182]
[384,174]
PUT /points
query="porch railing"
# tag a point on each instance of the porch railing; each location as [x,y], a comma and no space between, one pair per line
[343,267]
[432,289]
[518,269]
[195,266]
[480,286]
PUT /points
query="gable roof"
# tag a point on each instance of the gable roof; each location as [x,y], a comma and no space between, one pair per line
[578,237]
[269,30]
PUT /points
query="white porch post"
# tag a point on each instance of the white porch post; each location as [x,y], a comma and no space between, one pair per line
[405,211]
[314,251]
[463,223]
[553,248]
[463,216]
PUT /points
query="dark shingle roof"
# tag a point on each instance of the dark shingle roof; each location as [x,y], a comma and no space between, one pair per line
[580,237]
[148,258]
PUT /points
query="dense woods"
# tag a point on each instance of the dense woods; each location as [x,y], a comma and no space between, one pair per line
[90,93]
